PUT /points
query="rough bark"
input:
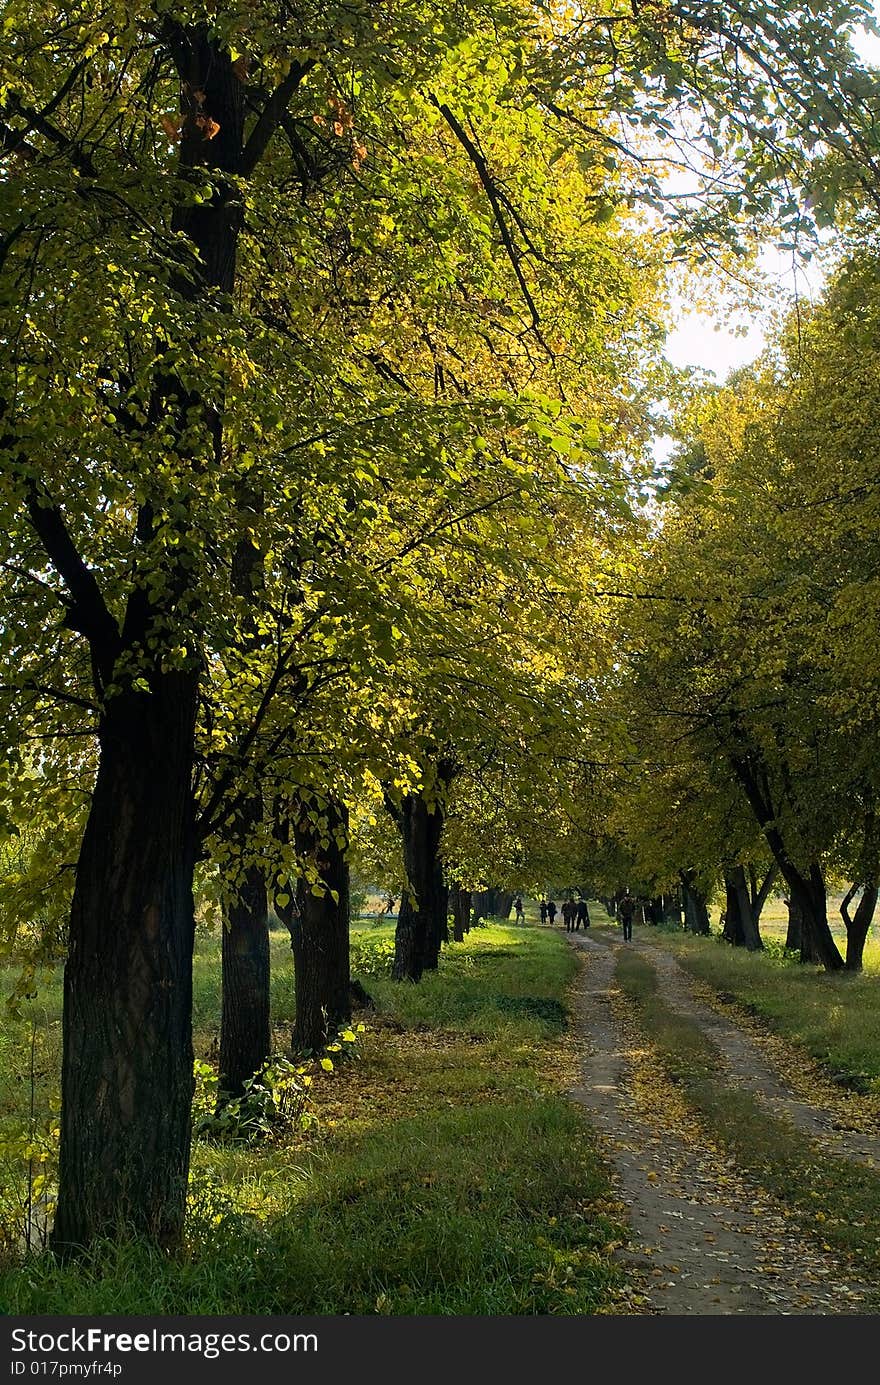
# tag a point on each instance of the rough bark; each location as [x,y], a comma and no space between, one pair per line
[438,928]
[417,942]
[817,942]
[461,914]
[422,917]
[794,931]
[409,962]
[319,931]
[127,1063]
[732,931]
[806,888]
[504,904]
[444,908]
[466,897]
[694,905]
[481,907]
[455,906]
[127,1068]
[245,1028]
[751,931]
[858,925]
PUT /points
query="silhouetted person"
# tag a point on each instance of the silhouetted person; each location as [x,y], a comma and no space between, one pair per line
[551,911]
[543,907]
[625,909]
[518,909]
[583,914]
[569,909]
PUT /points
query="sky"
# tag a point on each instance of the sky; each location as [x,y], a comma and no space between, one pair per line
[702,340]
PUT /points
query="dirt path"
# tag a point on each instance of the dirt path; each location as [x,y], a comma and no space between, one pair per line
[705,1239]
[750,1066]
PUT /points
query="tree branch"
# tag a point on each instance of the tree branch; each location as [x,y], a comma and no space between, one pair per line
[272,115]
[491,191]
[87,610]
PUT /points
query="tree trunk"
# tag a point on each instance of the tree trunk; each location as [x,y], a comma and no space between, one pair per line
[438,928]
[733,931]
[417,943]
[504,904]
[462,915]
[419,923]
[443,892]
[455,907]
[858,925]
[466,898]
[807,892]
[759,894]
[654,910]
[798,937]
[817,941]
[245,1028]
[794,932]
[127,1068]
[319,931]
[409,957]
[751,936]
[127,1076]
[696,912]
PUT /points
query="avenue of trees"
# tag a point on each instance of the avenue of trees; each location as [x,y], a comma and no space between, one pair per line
[750,687]
[331,358]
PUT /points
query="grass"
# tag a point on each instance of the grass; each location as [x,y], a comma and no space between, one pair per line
[482,1211]
[448,1172]
[480,992]
[835,1199]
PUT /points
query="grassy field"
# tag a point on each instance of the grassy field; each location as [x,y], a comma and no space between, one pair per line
[774,925]
[447,1173]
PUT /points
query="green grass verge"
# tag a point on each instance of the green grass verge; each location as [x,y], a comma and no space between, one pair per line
[500,980]
[448,1175]
[836,1018]
[832,1198]
[465,1212]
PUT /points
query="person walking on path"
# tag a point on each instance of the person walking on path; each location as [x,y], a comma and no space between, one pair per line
[551,911]
[520,916]
[542,905]
[583,914]
[568,913]
[625,910]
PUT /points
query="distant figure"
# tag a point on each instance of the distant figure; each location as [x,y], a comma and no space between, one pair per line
[583,914]
[519,910]
[625,909]
[569,909]
[551,911]
[543,907]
